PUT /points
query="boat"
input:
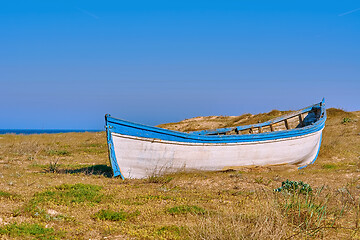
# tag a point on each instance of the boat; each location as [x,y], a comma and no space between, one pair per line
[141,151]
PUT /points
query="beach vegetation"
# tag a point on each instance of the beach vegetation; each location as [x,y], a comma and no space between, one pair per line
[186,209]
[110,215]
[7,195]
[58,152]
[29,231]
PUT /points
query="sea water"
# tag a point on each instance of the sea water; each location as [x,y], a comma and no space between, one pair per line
[40,131]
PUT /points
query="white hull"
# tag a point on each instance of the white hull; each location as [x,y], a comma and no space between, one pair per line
[139,157]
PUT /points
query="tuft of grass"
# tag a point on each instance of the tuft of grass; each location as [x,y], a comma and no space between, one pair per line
[261,180]
[186,209]
[159,179]
[329,166]
[26,230]
[110,215]
[53,166]
[58,152]
[169,232]
[7,195]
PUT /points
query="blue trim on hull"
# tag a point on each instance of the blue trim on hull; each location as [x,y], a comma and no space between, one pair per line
[112,157]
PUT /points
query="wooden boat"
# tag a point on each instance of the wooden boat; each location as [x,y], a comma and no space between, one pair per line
[139,151]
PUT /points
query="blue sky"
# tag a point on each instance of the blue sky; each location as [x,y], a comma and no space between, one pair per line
[64,64]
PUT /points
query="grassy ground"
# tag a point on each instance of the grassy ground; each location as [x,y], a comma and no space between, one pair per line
[59,186]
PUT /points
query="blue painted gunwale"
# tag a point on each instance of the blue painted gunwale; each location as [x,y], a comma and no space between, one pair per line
[115,125]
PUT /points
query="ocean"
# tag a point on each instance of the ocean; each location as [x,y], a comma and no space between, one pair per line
[40,131]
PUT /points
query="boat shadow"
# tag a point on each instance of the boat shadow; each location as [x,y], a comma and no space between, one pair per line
[100,169]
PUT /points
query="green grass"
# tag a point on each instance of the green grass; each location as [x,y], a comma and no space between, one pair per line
[66,195]
[58,152]
[94,145]
[186,209]
[92,148]
[169,232]
[111,215]
[144,199]
[8,195]
[33,231]
[329,166]
[159,179]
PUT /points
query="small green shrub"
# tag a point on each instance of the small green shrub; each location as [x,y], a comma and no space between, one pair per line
[294,187]
[346,120]
[184,209]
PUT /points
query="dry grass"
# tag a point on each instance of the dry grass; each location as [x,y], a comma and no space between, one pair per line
[59,186]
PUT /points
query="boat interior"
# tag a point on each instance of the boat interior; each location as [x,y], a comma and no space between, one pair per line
[295,120]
